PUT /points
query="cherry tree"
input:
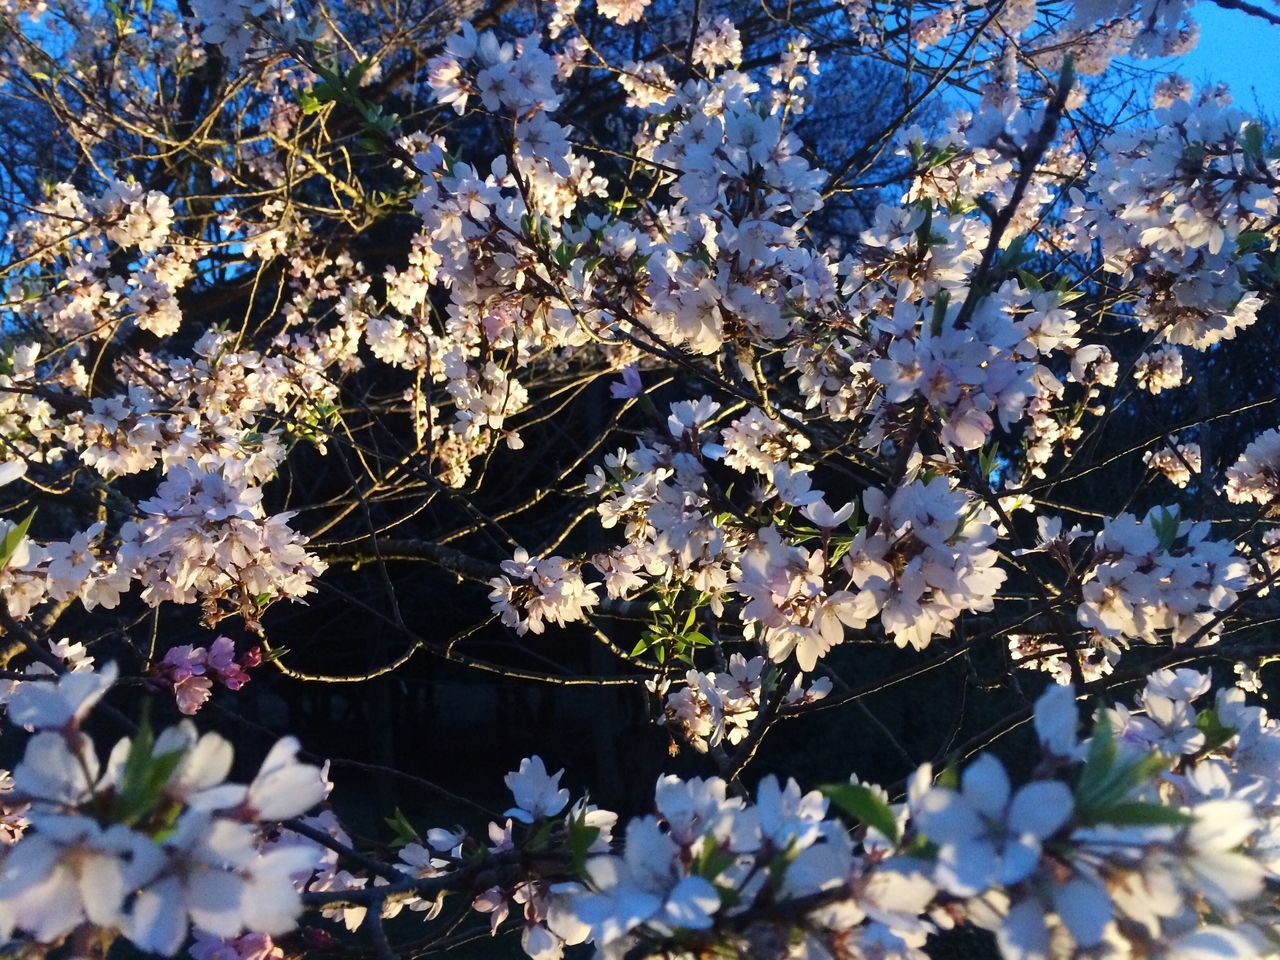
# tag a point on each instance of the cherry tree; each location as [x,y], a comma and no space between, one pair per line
[747,364]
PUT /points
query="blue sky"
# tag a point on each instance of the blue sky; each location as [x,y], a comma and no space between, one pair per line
[1239,49]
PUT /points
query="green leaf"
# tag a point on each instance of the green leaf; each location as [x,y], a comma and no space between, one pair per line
[1166,528]
[854,523]
[1107,779]
[950,776]
[939,311]
[839,547]
[945,155]
[1253,137]
[310,103]
[987,460]
[1030,281]
[1249,239]
[402,828]
[145,775]
[926,225]
[327,91]
[353,79]
[865,806]
[540,838]
[1097,765]
[1015,253]
[1137,814]
[711,862]
[1216,733]
[139,753]
[13,539]
[578,842]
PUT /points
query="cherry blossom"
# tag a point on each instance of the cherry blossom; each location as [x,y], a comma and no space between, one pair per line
[794,397]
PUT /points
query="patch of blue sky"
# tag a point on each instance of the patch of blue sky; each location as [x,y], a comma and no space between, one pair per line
[1237,49]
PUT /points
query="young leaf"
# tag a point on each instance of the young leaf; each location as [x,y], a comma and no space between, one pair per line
[1137,814]
[1253,140]
[865,806]
[402,828]
[1216,733]
[13,539]
[578,842]
[145,775]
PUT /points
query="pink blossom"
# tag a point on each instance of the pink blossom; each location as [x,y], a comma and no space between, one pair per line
[191,692]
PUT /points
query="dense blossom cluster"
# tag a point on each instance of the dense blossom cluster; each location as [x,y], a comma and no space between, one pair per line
[533,591]
[204,537]
[1166,802]
[1179,462]
[191,671]
[152,840]
[1255,477]
[720,707]
[1171,224]
[1160,573]
[604,287]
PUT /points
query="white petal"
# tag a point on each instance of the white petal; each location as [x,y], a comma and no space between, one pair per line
[541,944]
[564,924]
[819,867]
[1018,859]
[1023,935]
[1221,824]
[207,764]
[1227,878]
[11,470]
[157,921]
[50,771]
[271,906]
[691,904]
[985,785]
[284,787]
[1212,943]
[649,854]
[222,797]
[214,899]
[36,704]
[966,868]
[1040,809]
[1085,910]
[1057,722]
[102,889]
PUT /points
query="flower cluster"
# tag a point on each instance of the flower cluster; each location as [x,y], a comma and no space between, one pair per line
[720,706]
[1255,477]
[1160,574]
[925,557]
[1179,462]
[153,841]
[1173,202]
[206,537]
[191,671]
[366,285]
[535,590]
[1160,370]
[1153,803]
